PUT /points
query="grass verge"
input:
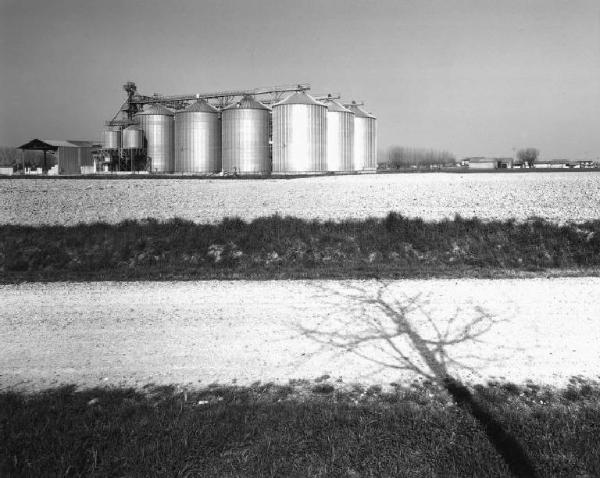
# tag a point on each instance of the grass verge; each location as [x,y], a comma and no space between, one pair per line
[303,429]
[291,248]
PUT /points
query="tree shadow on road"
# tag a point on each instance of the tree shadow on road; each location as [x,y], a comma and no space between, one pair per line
[400,334]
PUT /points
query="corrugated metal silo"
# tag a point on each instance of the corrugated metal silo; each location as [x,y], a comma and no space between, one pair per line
[245,128]
[198,139]
[133,137]
[111,138]
[157,123]
[299,135]
[340,137]
[365,139]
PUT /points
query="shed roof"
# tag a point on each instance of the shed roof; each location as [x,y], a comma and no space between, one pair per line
[58,143]
[39,145]
[71,143]
[84,144]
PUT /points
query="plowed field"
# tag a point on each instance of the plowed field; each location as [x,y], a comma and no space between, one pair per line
[559,197]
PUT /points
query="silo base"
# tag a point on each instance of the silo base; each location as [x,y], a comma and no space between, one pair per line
[247,173]
[301,173]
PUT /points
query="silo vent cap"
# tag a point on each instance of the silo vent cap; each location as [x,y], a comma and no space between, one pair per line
[247,103]
[333,105]
[200,106]
[358,111]
[299,98]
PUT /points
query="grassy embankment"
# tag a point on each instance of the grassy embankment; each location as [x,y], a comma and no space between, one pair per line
[290,248]
[297,430]
[274,431]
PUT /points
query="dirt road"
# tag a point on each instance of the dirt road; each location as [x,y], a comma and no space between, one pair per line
[197,333]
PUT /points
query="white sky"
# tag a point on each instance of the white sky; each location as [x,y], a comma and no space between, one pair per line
[475,77]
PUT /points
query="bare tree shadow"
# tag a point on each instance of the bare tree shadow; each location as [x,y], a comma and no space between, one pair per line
[377,326]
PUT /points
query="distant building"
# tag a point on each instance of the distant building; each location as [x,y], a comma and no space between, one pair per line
[551,163]
[582,163]
[488,163]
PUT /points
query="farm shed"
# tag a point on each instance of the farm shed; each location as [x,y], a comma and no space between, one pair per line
[74,157]
[38,145]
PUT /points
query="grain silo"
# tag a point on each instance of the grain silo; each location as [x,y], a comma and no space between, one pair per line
[133,137]
[340,137]
[133,144]
[157,123]
[299,135]
[365,139]
[198,139]
[111,138]
[245,134]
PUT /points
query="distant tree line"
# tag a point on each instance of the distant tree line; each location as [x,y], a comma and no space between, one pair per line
[400,157]
[528,156]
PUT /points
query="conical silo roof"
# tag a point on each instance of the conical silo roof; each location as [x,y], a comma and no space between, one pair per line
[333,105]
[133,127]
[200,106]
[156,110]
[247,103]
[359,112]
[299,98]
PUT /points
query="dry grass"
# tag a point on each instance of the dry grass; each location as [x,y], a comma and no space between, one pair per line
[266,430]
[291,248]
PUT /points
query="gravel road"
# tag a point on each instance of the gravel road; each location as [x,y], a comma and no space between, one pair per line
[556,196]
[197,333]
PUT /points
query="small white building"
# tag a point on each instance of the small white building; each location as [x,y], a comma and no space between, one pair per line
[582,163]
[551,163]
